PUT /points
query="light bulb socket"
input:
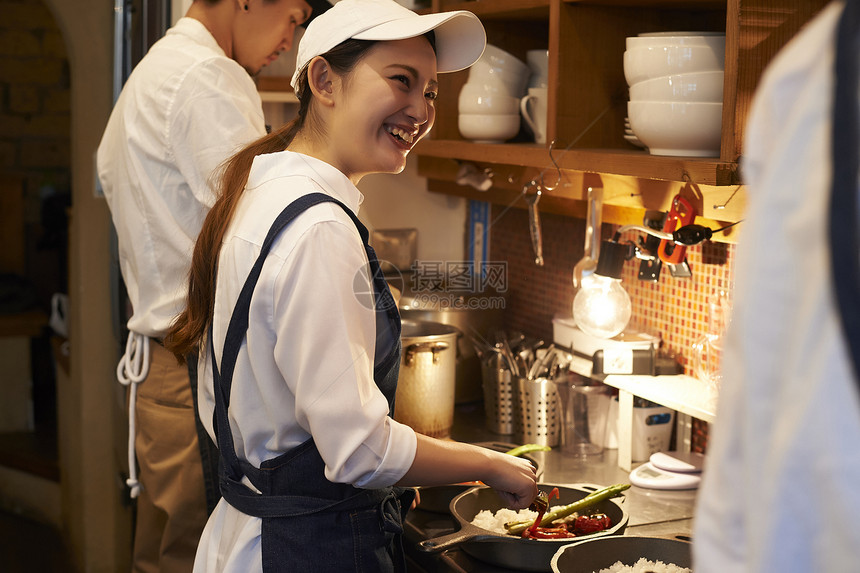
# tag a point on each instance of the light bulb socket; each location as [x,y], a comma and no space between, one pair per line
[610,263]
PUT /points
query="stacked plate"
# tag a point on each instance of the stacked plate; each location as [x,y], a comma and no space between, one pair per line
[676,92]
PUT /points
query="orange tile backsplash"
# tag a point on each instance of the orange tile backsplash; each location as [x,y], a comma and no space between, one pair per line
[674,308]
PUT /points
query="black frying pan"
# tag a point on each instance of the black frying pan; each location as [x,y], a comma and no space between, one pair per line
[508,550]
[599,553]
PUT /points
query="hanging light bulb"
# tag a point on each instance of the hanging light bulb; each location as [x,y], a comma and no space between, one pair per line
[602,307]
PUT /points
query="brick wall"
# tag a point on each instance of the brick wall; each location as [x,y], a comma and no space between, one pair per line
[676,308]
[35,133]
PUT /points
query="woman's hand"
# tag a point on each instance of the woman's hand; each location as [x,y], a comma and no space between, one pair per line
[514,479]
[439,462]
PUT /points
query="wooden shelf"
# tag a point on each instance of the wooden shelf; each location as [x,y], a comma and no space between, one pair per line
[512,9]
[587,95]
[704,171]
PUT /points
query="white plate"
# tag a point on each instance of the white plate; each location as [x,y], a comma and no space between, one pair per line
[648,476]
[679,462]
[634,140]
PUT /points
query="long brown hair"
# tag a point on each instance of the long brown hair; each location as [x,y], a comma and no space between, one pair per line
[189,328]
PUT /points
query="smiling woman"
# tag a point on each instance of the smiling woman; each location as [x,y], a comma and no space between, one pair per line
[386,103]
[297,368]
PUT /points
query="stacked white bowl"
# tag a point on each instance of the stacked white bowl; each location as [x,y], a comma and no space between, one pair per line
[676,92]
[489,102]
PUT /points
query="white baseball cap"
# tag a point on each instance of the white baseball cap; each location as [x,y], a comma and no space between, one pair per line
[460,36]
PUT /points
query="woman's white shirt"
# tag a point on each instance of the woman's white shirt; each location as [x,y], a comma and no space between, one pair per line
[305,368]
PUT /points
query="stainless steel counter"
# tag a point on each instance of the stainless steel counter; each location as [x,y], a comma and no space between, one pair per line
[652,512]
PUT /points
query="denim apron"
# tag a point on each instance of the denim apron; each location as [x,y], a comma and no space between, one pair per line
[308,522]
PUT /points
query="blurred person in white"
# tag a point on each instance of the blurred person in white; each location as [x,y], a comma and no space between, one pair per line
[299,335]
[780,489]
[187,106]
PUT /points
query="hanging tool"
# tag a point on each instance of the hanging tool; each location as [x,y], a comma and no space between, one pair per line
[594,219]
[674,255]
[534,221]
[650,263]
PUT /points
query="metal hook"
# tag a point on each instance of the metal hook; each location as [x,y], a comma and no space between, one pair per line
[723,206]
[557,171]
[531,184]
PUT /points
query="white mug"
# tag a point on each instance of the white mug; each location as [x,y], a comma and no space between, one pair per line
[533,109]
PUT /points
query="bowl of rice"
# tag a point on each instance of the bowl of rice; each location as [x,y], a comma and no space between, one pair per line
[625,554]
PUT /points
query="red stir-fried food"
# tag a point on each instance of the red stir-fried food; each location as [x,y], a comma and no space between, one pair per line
[581,525]
[585,524]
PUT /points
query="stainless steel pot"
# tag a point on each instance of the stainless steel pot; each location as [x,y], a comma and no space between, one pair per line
[599,553]
[508,550]
[474,316]
[425,387]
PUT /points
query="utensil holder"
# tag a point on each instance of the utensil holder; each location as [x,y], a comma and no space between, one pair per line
[499,403]
[539,411]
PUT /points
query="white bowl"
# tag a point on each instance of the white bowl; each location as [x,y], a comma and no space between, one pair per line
[475,99]
[489,88]
[499,58]
[677,128]
[488,128]
[499,68]
[693,86]
[716,40]
[651,62]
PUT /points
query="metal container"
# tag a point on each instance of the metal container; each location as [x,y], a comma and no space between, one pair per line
[499,402]
[425,388]
[539,412]
[475,315]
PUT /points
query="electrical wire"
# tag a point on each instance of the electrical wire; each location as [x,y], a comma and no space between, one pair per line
[687,235]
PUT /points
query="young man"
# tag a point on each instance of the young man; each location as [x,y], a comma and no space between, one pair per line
[187,106]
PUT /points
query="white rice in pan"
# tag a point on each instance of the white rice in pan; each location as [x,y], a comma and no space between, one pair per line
[495,522]
[644,566]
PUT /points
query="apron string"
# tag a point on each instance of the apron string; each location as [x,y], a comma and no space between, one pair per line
[133,368]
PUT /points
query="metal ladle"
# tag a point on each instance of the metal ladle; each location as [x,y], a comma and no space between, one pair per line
[593,221]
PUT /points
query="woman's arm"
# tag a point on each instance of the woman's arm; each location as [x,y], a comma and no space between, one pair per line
[439,462]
